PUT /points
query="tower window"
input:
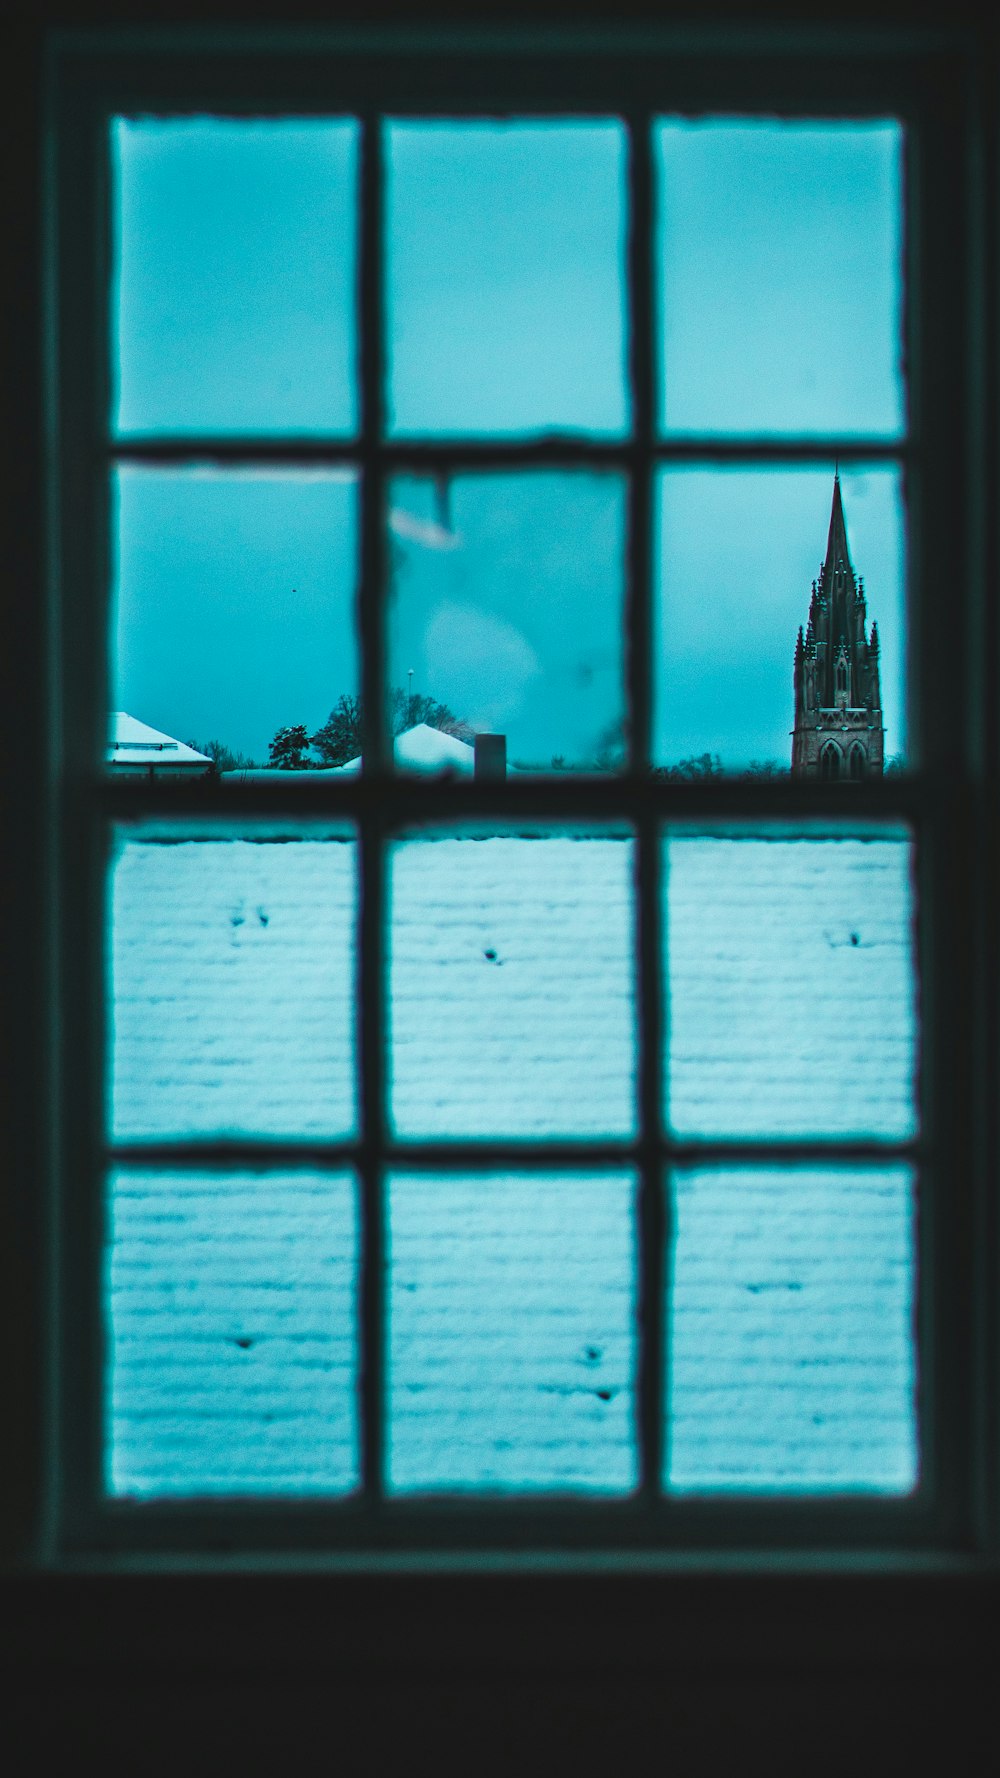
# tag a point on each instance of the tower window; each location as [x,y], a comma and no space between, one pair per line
[830,761]
[857,761]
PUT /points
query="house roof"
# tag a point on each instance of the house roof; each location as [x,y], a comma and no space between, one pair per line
[426,749]
[134,743]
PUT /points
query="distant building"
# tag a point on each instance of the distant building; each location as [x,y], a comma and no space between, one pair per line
[426,749]
[138,750]
[423,749]
[838,701]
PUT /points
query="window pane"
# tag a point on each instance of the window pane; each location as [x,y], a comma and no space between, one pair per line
[236,275]
[747,559]
[779,252]
[505,246]
[232,982]
[791,982]
[512,1333]
[791,1339]
[232,1330]
[511,986]
[508,609]
[235,612]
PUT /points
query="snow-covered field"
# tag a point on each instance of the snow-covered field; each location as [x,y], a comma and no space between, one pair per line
[512,1346]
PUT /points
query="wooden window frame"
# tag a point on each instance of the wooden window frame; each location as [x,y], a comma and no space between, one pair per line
[947,800]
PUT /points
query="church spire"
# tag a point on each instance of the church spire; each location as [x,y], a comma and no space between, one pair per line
[836,542]
[838,707]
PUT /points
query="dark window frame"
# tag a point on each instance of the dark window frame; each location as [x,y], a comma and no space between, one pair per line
[943,800]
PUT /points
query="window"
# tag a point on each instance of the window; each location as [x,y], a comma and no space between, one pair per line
[385,1186]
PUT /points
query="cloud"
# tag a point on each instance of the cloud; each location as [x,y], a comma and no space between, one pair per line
[481,663]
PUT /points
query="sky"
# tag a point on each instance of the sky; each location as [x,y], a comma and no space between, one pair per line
[778,298]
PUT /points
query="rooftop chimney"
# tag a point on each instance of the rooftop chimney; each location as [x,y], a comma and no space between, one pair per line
[491,756]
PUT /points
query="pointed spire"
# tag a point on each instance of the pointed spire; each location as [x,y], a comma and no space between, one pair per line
[836,543]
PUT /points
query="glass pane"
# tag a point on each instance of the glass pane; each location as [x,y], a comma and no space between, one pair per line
[791,983]
[232,985]
[508,610]
[512,1333]
[506,252]
[780,260]
[511,986]
[236,275]
[232,1320]
[235,614]
[790,1329]
[747,560]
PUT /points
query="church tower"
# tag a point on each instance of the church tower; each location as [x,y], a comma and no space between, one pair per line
[838,729]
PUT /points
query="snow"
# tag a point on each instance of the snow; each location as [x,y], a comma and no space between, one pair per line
[791,1330]
[513,1349]
[510,985]
[233,1305]
[233,972]
[792,1009]
[419,749]
[512,1345]
[134,743]
[426,749]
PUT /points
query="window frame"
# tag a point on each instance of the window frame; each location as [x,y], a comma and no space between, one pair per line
[945,799]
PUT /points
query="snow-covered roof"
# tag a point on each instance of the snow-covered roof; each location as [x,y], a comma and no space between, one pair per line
[426,749]
[512,1296]
[419,749]
[134,743]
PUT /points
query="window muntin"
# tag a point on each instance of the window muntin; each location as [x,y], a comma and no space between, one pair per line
[649,1010]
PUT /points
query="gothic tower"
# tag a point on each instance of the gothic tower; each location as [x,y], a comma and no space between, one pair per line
[838,729]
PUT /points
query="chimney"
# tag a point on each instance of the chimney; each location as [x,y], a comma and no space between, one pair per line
[491,756]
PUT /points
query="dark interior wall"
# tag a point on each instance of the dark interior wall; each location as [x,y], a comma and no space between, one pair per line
[186,1673]
[494,1675]
[687,1724]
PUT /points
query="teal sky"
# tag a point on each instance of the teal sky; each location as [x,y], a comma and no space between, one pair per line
[778,255]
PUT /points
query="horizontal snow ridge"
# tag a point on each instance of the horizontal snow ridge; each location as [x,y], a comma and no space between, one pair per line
[791,1334]
[792,997]
[232,975]
[233,1333]
[512,1333]
[511,987]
